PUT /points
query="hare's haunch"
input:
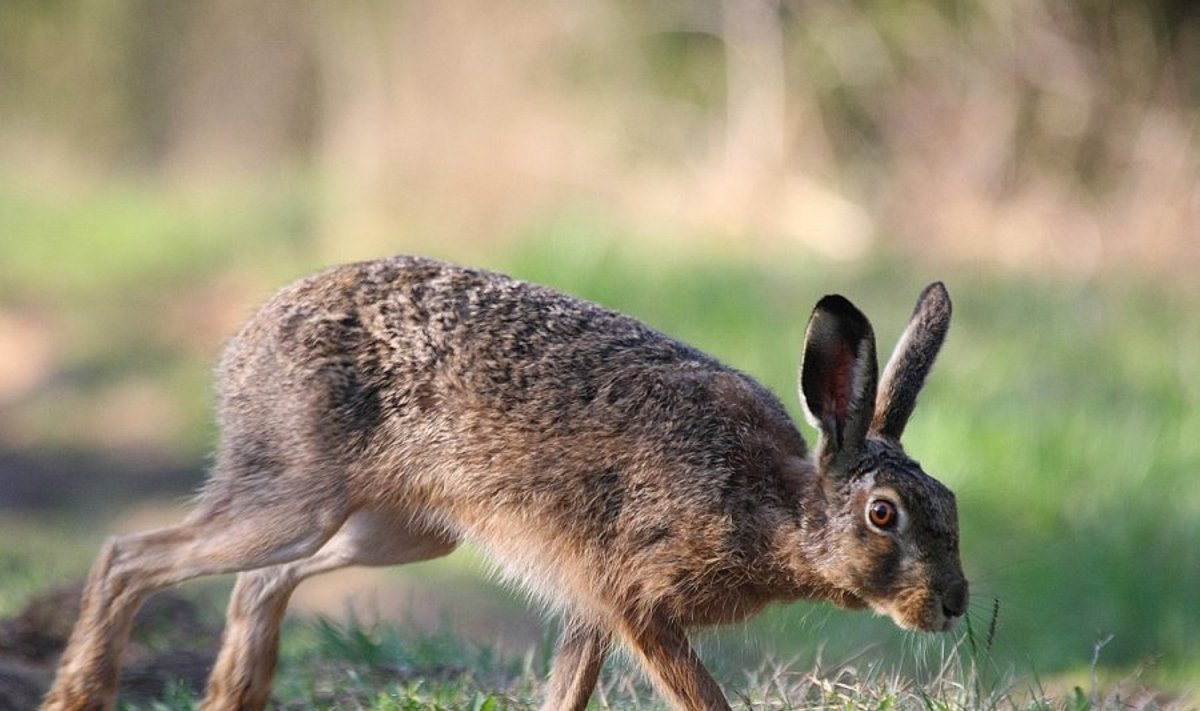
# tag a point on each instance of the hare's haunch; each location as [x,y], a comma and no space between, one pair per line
[380,413]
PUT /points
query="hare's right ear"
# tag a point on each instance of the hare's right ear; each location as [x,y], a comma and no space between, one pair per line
[838,374]
[911,361]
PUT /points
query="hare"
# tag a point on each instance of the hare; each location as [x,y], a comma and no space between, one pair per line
[383,412]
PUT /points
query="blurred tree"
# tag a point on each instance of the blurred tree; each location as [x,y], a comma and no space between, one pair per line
[1027,132]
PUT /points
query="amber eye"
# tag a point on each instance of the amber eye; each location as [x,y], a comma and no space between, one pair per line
[882,514]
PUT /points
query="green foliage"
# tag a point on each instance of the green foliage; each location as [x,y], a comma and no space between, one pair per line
[129,244]
[49,549]
[1062,413]
[121,282]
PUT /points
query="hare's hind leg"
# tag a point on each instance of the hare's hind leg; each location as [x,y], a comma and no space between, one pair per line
[217,539]
[577,662]
[241,679]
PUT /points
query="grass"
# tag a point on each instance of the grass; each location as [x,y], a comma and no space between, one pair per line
[93,269]
[354,665]
[1063,413]
[49,549]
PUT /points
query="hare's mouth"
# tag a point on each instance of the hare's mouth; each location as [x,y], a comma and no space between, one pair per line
[917,611]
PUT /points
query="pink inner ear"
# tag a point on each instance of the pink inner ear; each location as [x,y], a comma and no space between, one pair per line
[837,392]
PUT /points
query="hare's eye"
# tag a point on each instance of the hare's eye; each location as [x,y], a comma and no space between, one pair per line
[882,514]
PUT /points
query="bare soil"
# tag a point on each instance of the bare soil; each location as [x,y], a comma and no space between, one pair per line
[32,640]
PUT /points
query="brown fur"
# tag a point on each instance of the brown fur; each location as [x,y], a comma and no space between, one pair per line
[382,412]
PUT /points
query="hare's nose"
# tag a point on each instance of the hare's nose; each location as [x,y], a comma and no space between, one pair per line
[954,599]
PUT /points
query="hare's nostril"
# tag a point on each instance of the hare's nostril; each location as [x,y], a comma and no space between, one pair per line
[954,599]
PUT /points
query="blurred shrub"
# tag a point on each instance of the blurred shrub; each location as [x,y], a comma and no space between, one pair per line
[1030,132]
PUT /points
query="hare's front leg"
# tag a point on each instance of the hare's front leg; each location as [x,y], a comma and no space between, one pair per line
[673,666]
[577,662]
[241,678]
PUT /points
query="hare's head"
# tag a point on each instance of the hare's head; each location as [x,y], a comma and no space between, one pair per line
[889,537]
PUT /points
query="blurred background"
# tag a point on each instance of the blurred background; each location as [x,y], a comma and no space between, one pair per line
[712,167]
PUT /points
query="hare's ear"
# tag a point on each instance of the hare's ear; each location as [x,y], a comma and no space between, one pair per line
[911,361]
[838,375]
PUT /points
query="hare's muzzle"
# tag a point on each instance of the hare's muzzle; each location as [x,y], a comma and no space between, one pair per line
[954,600]
[927,609]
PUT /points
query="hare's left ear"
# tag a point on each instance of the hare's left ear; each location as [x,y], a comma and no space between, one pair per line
[838,375]
[911,361]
